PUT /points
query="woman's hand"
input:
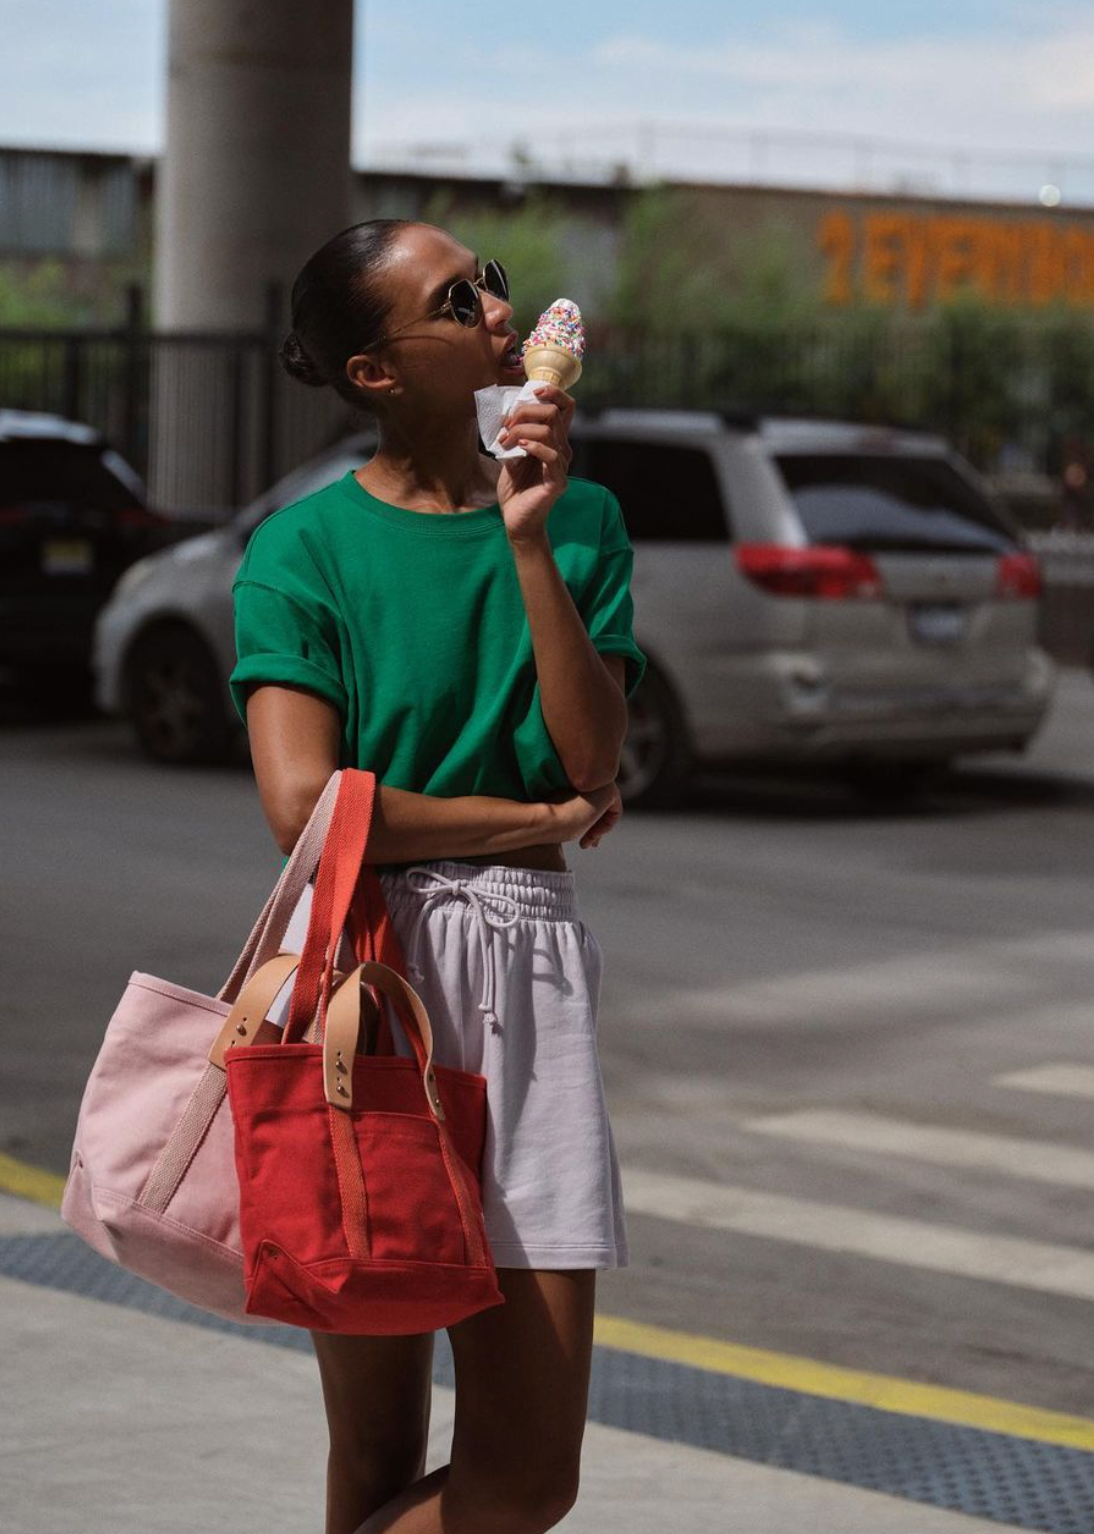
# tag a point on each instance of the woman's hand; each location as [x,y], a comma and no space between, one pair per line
[529,487]
[607,821]
[585,818]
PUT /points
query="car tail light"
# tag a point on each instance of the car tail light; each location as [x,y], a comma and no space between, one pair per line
[1018,575]
[137,516]
[824,570]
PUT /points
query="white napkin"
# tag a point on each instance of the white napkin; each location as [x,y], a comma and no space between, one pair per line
[493,404]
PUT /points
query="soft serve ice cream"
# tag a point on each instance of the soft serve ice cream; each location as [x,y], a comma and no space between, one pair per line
[553,352]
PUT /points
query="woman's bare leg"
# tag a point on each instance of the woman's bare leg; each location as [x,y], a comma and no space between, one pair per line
[522,1389]
[377,1393]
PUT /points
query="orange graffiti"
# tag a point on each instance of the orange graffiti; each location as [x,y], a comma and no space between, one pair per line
[920,259]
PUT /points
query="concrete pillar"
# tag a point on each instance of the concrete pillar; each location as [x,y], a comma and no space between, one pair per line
[255,174]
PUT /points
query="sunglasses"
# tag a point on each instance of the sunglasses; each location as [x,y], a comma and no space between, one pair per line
[464,301]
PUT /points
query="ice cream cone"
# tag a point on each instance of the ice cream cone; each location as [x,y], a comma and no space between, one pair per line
[551,364]
[553,352]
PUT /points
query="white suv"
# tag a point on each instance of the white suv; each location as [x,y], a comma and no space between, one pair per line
[805,590]
[812,590]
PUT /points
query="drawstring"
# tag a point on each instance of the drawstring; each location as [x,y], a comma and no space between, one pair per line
[486,918]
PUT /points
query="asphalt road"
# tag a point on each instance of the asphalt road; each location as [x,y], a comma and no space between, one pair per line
[842,1045]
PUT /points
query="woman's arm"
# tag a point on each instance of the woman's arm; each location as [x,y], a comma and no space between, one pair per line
[294,737]
[583,705]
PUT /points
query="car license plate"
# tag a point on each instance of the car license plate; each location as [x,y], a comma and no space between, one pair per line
[67,556]
[938,623]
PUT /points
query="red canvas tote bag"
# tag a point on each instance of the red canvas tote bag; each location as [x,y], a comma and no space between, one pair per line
[359,1174]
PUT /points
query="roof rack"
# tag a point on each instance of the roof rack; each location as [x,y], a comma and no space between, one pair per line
[752,417]
[756,414]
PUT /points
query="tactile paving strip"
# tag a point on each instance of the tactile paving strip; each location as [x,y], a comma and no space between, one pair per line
[1015,1481]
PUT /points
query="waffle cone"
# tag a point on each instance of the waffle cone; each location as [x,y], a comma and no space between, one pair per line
[552,364]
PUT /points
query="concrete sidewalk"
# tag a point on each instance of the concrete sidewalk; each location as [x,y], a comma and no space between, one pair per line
[117,1420]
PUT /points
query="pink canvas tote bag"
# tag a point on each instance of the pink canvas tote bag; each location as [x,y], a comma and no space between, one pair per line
[152,1182]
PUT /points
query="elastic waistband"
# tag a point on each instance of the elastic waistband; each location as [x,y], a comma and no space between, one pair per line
[536,891]
[498,896]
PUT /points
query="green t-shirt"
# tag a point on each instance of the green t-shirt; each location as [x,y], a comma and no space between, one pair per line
[413,625]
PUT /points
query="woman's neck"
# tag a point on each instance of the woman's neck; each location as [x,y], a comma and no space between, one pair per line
[436,471]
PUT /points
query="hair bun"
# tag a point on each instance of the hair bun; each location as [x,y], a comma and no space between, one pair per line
[296,362]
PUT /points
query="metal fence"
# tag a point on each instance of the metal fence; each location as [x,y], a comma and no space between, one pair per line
[210,420]
[1007,393]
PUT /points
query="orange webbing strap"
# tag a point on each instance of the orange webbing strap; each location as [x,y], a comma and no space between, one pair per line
[457,1176]
[373,936]
[351,1182]
[339,868]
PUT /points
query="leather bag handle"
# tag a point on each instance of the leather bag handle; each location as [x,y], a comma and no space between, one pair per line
[343,1023]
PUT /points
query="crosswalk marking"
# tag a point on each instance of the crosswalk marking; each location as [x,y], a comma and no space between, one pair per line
[1062,1079]
[1038,1265]
[972,980]
[1038,1160]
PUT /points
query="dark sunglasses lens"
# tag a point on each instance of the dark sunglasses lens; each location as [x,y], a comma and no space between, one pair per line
[494,279]
[464,298]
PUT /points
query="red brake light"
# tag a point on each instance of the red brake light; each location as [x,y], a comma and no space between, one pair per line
[823,570]
[137,516]
[1018,575]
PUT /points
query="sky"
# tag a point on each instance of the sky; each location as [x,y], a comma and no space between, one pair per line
[942,90]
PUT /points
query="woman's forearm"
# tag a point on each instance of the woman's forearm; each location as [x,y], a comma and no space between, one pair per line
[408,826]
[583,709]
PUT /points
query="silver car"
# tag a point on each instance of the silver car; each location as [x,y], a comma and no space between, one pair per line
[817,591]
[806,591]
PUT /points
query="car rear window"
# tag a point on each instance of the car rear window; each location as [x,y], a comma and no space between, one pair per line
[46,469]
[668,493]
[879,502]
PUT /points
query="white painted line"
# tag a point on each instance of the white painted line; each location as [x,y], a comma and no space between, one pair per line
[976,982]
[961,1253]
[1062,1079]
[1039,1160]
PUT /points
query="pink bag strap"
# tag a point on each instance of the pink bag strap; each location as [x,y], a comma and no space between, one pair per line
[269,930]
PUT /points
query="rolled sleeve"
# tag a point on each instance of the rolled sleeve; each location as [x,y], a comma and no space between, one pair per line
[279,639]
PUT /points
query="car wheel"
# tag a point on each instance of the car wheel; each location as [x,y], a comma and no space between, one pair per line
[655,763]
[175,698]
[894,782]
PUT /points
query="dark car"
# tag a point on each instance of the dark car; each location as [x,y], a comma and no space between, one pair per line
[73,516]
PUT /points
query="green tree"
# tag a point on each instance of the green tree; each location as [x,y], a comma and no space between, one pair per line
[973,360]
[40,297]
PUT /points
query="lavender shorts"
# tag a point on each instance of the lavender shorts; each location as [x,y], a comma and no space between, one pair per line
[510,976]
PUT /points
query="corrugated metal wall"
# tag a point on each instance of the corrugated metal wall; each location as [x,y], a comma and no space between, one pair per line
[66,204]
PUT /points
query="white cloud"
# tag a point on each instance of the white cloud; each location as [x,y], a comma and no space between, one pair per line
[1024,88]
[1023,81]
[1015,84]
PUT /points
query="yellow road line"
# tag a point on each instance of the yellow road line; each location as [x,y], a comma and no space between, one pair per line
[30,1182]
[810,1377]
[785,1370]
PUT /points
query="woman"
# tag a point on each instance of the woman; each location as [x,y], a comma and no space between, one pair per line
[421,618]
